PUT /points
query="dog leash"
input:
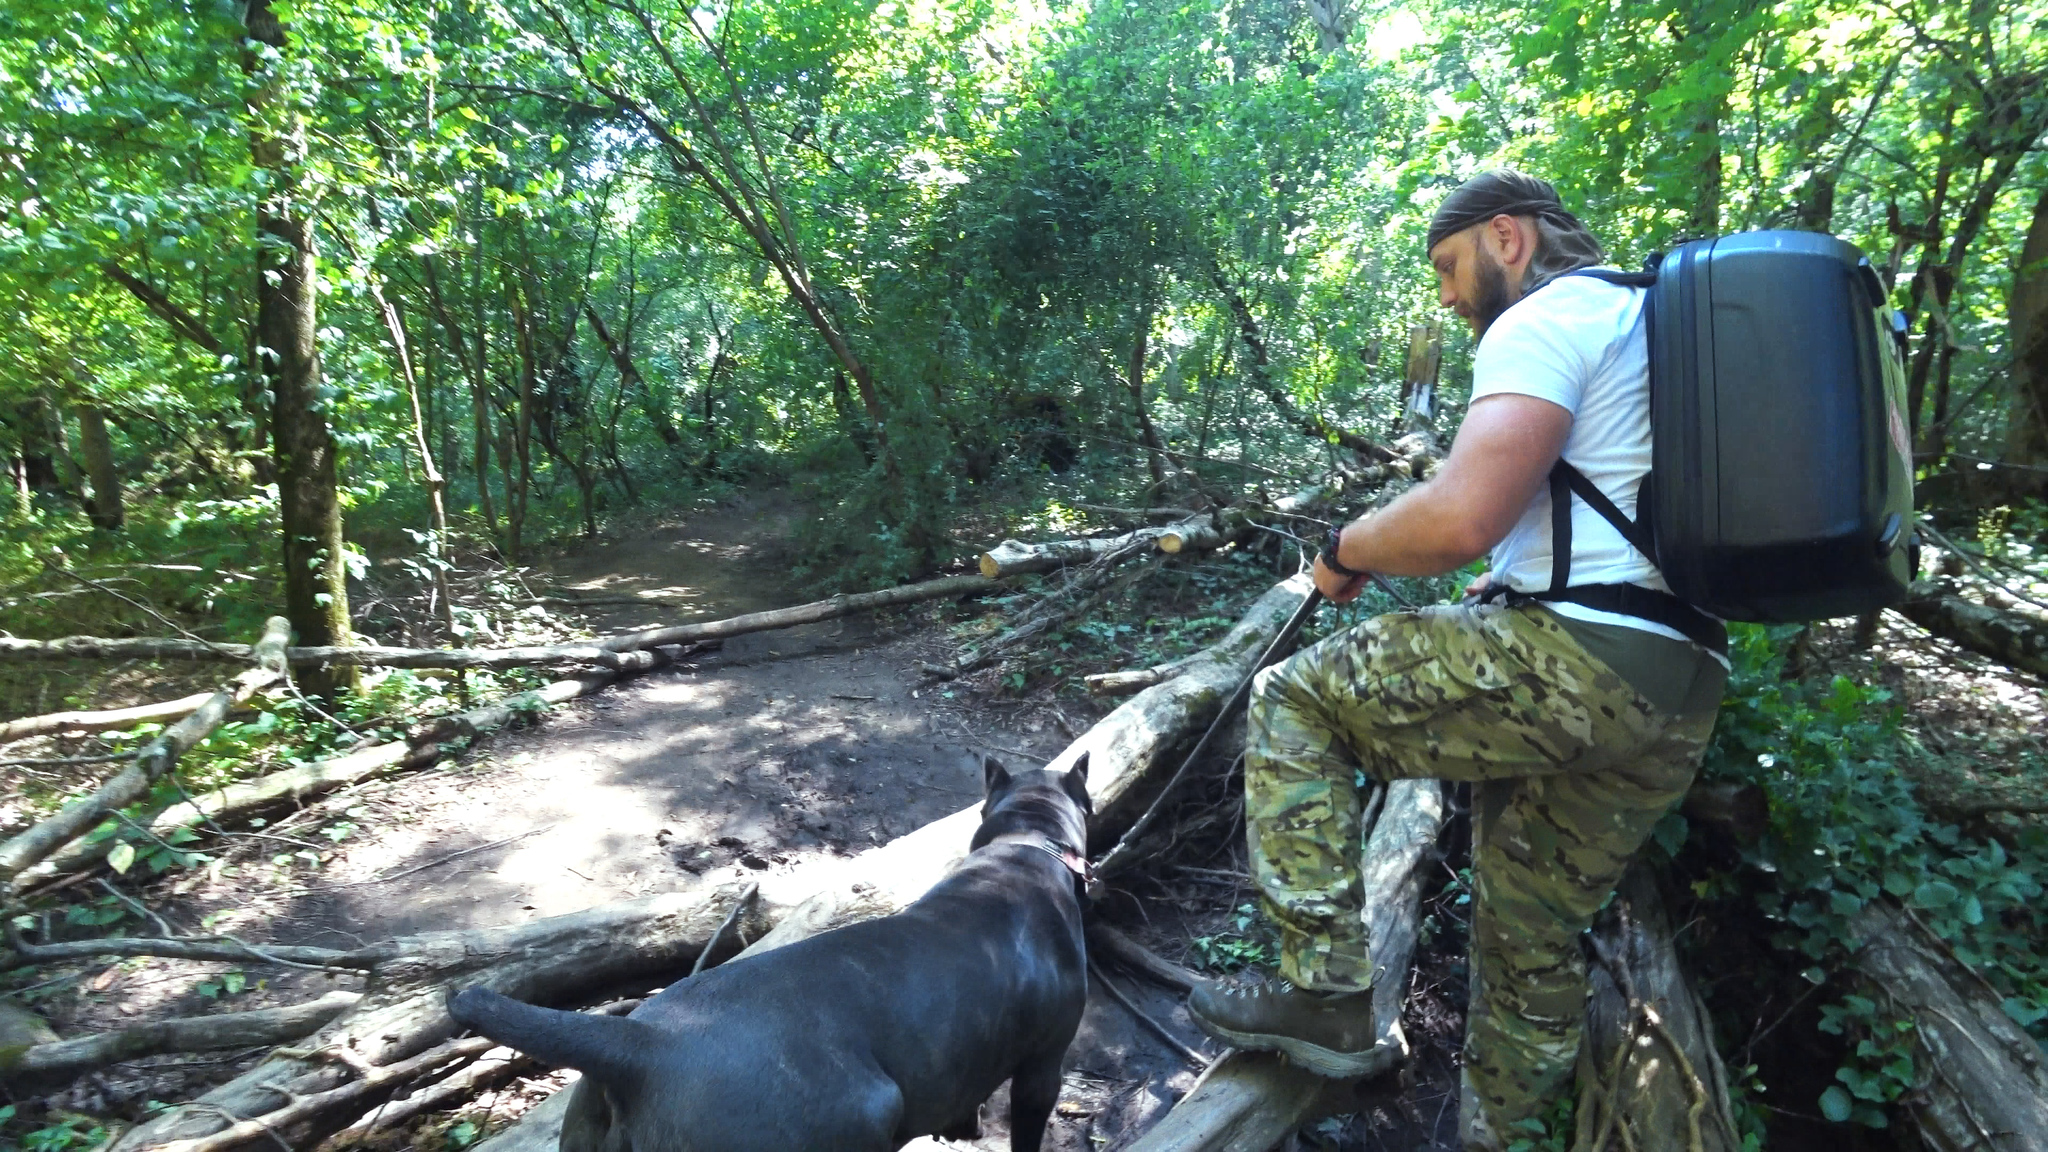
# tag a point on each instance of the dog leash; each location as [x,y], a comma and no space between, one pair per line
[1126,845]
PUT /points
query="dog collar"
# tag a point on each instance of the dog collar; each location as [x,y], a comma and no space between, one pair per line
[1070,856]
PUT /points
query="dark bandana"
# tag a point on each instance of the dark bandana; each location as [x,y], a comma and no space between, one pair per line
[1502,191]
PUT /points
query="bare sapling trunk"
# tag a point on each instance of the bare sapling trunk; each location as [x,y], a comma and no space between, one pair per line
[430,472]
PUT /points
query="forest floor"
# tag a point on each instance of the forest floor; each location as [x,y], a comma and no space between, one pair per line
[777,747]
[821,740]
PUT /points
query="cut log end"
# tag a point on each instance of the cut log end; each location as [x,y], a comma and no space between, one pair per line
[1171,543]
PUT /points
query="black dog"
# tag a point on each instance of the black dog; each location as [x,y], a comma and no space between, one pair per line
[860,1039]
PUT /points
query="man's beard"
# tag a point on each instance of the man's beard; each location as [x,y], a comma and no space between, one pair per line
[1492,298]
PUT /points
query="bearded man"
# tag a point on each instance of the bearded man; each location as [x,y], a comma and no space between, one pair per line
[1571,690]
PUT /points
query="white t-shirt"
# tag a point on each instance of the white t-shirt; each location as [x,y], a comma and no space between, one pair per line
[1579,343]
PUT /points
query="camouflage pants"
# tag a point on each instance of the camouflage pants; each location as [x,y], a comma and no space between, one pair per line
[1570,769]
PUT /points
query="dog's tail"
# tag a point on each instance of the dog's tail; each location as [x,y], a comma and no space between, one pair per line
[609,1048]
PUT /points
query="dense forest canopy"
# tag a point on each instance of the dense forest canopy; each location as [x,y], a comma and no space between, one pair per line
[583,255]
[346,313]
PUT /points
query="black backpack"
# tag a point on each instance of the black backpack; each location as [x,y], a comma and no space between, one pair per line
[1781,481]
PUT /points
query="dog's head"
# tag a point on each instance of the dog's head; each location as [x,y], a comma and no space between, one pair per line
[1053,803]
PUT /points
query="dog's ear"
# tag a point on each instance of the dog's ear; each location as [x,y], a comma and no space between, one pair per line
[995,779]
[1075,783]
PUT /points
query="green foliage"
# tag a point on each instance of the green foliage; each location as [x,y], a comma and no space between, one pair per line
[1846,830]
[1251,942]
[61,1132]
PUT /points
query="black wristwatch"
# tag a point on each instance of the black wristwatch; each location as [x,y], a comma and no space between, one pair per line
[1329,554]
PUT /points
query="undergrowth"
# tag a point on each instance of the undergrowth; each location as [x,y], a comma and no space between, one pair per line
[1845,829]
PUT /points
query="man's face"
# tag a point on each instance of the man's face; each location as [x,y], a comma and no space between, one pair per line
[1470,280]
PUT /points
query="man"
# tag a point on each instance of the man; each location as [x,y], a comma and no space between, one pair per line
[1578,726]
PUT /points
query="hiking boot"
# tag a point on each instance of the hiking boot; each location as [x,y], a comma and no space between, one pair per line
[1328,1033]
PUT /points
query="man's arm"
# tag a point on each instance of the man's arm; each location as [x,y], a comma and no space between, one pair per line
[1501,457]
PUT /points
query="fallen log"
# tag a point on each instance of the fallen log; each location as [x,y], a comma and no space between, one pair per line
[265,1026]
[402,1015]
[132,783]
[613,652]
[1133,679]
[1016,558]
[1979,1079]
[2017,640]
[110,720]
[1250,1101]
[1649,1075]
[1203,533]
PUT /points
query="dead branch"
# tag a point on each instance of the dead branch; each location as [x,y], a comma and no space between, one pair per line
[317,1104]
[422,747]
[107,721]
[265,1026]
[190,948]
[402,1015]
[1108,941]
[131,784]
[1250,1101]
[1102,981]
[490,1069]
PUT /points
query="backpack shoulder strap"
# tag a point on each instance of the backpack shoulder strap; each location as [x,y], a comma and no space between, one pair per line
[1566,482]
[1644,279]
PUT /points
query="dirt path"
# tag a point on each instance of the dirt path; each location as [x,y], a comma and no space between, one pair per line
[779,747]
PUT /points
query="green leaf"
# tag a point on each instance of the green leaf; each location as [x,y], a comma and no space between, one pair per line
[1835,1104]
[1934,894]
[122,857]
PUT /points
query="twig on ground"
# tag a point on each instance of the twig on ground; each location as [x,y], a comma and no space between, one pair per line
[724,926]
[1145,1018]
[429,864]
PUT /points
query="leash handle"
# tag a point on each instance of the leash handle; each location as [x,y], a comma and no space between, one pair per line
[1126,844]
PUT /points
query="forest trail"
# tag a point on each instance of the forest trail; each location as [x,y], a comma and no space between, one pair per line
[780,747]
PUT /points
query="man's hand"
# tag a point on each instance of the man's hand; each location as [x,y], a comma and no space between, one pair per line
[1337,589]
[1478,586]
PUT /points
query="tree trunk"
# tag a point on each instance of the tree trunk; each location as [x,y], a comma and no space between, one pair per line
[287,286]
[103,506]
[2027,442]
[1155,463]
[1425,363]
[522,423]
[631,380]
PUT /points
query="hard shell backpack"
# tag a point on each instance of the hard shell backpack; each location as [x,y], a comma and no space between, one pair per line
[1781,482]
